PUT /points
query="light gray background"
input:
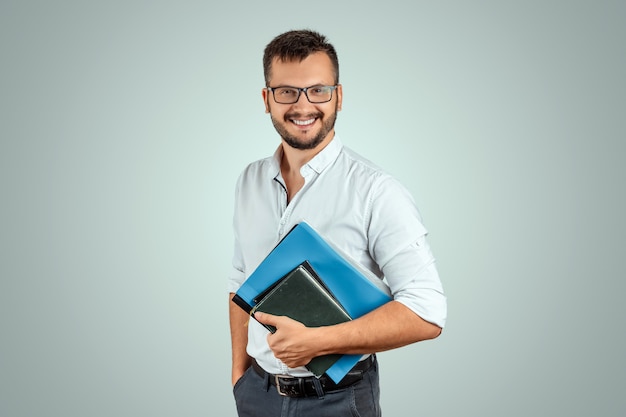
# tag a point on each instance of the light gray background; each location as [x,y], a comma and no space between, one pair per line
[125,123]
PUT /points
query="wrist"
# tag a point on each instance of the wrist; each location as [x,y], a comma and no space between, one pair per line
[324,340]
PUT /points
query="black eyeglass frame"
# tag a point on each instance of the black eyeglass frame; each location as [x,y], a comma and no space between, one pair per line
[306,94]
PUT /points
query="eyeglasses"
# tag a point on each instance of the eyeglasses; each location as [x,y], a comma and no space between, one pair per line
[315,94]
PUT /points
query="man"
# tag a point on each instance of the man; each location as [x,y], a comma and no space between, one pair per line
[351,202]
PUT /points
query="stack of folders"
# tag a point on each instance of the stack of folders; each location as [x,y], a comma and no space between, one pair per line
[307,279]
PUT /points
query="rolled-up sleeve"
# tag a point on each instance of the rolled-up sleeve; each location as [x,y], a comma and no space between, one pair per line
[237,273]
[397,239]
[414,281]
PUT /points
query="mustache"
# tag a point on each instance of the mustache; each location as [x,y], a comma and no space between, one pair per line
[296,115]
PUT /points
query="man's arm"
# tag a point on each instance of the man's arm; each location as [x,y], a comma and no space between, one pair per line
[388,327]
[239,339]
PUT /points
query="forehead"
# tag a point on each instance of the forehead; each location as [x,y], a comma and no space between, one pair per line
[317,68]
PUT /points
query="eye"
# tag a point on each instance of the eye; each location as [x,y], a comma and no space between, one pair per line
[286,92]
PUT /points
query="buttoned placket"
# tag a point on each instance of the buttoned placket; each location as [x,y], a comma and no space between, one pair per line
[287,208]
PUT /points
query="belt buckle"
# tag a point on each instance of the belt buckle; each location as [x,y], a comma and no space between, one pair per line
[281,392]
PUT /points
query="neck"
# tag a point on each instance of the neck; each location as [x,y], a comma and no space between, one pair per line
[293,159]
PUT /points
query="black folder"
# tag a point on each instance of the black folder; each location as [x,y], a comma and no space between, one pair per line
[303,296]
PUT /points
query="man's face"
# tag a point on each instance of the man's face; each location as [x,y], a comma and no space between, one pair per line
[303,125]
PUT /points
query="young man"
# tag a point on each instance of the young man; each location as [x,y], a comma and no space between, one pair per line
[353,203]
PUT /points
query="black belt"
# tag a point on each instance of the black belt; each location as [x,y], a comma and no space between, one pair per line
[290,386]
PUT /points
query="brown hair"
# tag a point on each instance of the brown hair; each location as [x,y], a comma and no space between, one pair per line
[296,45]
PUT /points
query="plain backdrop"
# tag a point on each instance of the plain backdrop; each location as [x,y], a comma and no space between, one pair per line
[124,125]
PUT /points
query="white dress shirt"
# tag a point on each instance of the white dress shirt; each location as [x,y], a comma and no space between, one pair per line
[354,204]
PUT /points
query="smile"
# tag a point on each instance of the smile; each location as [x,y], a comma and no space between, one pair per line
[304,122]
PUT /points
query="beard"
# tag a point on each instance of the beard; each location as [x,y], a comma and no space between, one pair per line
[297,143]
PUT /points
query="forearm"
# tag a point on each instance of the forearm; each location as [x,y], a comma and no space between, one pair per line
[239,339]
[391,326]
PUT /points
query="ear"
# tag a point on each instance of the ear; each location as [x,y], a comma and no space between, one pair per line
[339,96]
[266,96]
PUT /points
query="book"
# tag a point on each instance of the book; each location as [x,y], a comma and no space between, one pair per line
[356,288]
[302,296]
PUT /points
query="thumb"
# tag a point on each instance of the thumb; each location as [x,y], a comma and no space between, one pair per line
[266,318]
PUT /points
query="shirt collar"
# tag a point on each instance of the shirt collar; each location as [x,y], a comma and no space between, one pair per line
[319,162]
[326,156]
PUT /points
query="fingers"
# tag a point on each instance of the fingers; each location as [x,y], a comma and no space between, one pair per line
[289,344]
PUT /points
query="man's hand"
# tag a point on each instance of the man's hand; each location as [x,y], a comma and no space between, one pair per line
[293,343]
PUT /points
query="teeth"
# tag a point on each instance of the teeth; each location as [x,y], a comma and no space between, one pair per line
[303,122]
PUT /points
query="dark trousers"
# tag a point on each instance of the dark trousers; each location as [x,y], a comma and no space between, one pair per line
[256,397]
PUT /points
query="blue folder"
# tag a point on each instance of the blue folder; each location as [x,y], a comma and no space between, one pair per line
[345,279]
